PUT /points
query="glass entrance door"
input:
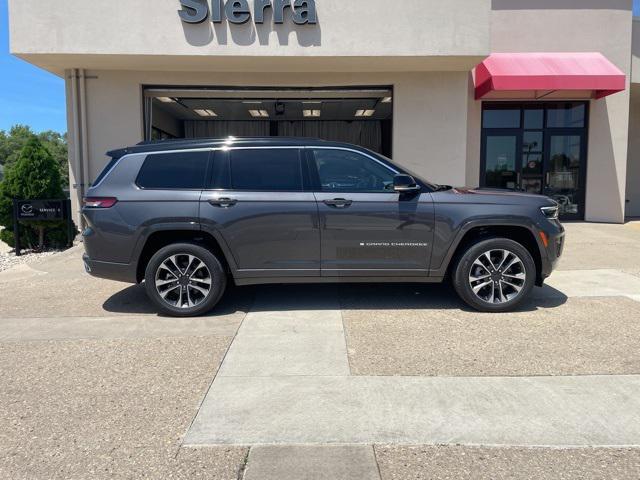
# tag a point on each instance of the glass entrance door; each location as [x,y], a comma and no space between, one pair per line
[501,152]
[564,172]
[537,148]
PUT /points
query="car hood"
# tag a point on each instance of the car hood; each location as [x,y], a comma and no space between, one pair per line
[493,195]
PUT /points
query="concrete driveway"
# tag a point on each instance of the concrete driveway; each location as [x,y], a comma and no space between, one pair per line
[367,382]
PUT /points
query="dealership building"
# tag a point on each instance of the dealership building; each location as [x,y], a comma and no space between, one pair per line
[538,95]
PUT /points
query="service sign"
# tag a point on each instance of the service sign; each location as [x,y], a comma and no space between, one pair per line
[41,210]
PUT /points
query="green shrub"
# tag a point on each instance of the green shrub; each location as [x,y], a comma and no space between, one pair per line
[34,175]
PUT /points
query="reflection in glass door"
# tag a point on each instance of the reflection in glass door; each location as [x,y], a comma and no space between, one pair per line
[532,161]
[537,148]
[563,172]
[501,152]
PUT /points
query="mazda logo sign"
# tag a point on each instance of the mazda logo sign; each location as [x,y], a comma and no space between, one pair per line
[27,208]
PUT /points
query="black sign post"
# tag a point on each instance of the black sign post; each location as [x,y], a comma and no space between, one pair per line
[16,230]
[41,211]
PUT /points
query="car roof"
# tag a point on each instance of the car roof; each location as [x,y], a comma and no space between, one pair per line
[182,144]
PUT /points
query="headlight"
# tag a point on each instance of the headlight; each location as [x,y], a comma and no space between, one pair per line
[551,212]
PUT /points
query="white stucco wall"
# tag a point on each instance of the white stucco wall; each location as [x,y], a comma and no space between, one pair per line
[635,51]
[119,33]
[633,157]
[633,165]
[581,26]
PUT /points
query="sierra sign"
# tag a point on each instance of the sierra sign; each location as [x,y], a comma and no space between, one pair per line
[238,11]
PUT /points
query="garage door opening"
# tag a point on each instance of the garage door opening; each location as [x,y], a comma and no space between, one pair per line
[361,116]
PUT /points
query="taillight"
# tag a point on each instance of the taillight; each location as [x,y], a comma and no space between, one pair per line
[100,202]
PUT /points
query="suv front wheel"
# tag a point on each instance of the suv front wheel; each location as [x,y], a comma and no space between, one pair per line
[494,275]
[184,280]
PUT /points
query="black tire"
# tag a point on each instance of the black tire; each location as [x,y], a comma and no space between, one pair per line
[463,269]
[187,292]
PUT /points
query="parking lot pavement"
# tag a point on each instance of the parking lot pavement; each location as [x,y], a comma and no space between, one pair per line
[485,463]
[602,246]
[94,384]
[108,409]
[575,336]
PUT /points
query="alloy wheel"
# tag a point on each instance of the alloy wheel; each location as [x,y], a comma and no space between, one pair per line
[183,281]
[497,276]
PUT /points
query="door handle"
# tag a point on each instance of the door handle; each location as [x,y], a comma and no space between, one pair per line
[223,202]
[338,203]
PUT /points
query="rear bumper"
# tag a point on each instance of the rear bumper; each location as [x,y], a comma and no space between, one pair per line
[120,272]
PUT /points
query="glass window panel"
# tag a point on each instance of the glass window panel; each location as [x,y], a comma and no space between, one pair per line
[532,185]
[566,115]
[501,118]
[273,170]
[105,170]
[534,118]
[501,161]
[343,171]
[564,172]
[532,142]
[532,163]
[174,170]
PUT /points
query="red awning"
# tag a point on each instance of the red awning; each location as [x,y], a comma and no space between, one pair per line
[547,75]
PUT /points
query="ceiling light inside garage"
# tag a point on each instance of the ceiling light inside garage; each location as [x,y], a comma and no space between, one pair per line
[387,99]
[205,112]
[166,100]
[259,113]
[311,113]
[365,113]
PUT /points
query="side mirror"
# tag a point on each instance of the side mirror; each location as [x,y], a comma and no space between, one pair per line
[405,184]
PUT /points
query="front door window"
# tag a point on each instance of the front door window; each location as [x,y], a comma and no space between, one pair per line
[537,148]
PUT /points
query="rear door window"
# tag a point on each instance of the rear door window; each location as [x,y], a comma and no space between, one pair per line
[179,170]
[268,169]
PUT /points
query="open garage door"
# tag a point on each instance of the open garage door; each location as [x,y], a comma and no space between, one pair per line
[362,116]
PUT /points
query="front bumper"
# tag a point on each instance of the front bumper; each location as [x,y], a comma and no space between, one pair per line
[552,251]
[120,272]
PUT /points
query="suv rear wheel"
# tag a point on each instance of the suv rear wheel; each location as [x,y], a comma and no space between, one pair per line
[494,275]
[184,280]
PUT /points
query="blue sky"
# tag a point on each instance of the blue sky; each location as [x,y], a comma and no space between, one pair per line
[28,95]
[34,97]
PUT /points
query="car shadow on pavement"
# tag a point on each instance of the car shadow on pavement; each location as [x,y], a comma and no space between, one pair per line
[133,300]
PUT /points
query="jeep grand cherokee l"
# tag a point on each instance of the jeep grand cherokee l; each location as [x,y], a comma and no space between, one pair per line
[186,217]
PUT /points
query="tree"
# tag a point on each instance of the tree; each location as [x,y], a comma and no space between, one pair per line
[12,142]
[33,175]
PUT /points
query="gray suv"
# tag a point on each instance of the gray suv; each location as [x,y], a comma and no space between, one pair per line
[186,217]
